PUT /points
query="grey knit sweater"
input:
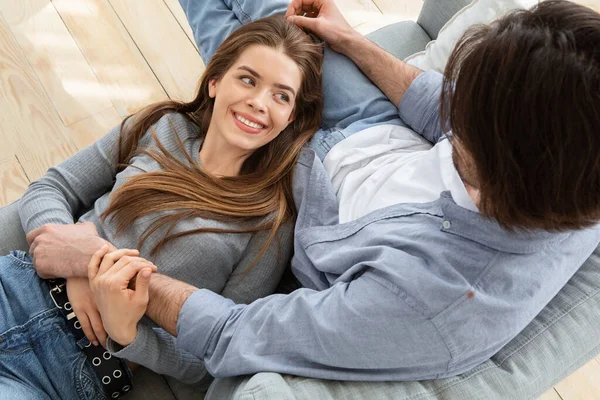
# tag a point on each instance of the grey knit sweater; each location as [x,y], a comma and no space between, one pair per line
[81,186]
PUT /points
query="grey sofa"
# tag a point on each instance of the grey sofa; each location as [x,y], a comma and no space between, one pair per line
[563,337]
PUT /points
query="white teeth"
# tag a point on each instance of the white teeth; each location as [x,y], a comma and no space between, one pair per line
[249,123]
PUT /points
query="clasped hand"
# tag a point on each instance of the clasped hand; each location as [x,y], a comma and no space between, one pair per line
[119,284]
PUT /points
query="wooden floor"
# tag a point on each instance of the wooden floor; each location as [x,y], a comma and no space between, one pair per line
[71,69]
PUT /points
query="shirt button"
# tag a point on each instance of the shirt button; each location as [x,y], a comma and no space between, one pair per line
[446,224]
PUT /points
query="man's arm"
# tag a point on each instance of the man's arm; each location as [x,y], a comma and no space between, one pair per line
[167,296]
[416,94]
[390,74]
[358,330]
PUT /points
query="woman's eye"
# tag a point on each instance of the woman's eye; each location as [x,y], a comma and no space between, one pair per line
[283,97]
[247,80]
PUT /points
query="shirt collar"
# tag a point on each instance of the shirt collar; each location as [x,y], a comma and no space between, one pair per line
[486,231]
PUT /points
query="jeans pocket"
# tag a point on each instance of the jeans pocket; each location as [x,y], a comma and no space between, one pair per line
[88,384]
[21,258]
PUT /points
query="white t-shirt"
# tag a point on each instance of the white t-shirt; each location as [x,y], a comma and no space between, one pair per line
[388,164]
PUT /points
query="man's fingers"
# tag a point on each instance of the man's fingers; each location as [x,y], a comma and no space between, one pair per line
[86,327]
[141,285]
[300,7]
[33,234]
[95,261]
[304,22]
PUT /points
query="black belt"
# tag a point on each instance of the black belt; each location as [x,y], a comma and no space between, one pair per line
[112,371]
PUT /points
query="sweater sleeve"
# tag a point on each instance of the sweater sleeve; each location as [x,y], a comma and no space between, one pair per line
[246,285]
[156,349]
[73,186]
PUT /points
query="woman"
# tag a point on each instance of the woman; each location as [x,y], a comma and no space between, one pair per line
[203,189]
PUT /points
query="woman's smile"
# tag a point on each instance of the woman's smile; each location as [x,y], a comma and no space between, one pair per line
[248,124]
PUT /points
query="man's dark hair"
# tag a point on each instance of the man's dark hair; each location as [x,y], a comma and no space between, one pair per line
[522,98]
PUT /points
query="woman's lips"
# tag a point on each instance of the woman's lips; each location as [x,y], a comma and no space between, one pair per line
[244,127]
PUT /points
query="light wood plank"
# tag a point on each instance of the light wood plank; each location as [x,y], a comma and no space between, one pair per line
[584,384]
[13,181]
[30,125]
[550,395]
[86,132]
[112,54]
[593,4]
[166,47]
[179,14]
[54,56]
[374,24]
[358,12]
[401,10]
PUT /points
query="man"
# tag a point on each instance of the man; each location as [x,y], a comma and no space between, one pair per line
[435,257]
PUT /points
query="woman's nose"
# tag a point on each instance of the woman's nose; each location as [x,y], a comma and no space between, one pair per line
[258,102]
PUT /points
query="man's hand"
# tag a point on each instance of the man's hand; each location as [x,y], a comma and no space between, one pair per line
[81,299]
[121,307]
[63,250]
[324,19]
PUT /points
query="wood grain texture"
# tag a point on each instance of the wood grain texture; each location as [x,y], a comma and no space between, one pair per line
[357,12]
[402,10]
[30,125]
[164,44]
[13,181]
[117,62]
[57,61]
[179,15]
[584,384]
[550,395]
[86,132]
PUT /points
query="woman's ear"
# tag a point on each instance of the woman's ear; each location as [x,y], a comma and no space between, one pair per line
[212,88]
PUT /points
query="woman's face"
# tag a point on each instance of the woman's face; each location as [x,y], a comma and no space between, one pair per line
[254,100]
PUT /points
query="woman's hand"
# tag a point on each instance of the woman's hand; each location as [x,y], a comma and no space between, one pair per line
[111,276]
[81,299]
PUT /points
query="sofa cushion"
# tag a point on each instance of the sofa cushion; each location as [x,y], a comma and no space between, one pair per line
[436,13]
[401,39]
[477,12]
[12,236]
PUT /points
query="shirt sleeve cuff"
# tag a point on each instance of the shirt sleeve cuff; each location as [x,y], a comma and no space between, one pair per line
[135,350]
[201,315]
[420,105]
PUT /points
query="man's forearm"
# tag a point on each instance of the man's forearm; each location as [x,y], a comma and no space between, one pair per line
[167,296]
[391,75]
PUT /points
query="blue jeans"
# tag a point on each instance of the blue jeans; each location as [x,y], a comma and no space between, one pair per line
[352,102]
[39,357]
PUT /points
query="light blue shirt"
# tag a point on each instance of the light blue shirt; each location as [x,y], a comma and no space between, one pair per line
[408,292]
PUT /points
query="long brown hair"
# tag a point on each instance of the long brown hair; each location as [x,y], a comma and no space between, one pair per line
[522,97]
[263,189]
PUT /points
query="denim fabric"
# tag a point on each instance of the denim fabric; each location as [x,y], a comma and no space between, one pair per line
[39,357]
[352,102]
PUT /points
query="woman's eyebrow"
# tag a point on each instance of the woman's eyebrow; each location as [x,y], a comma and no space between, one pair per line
[258,76]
